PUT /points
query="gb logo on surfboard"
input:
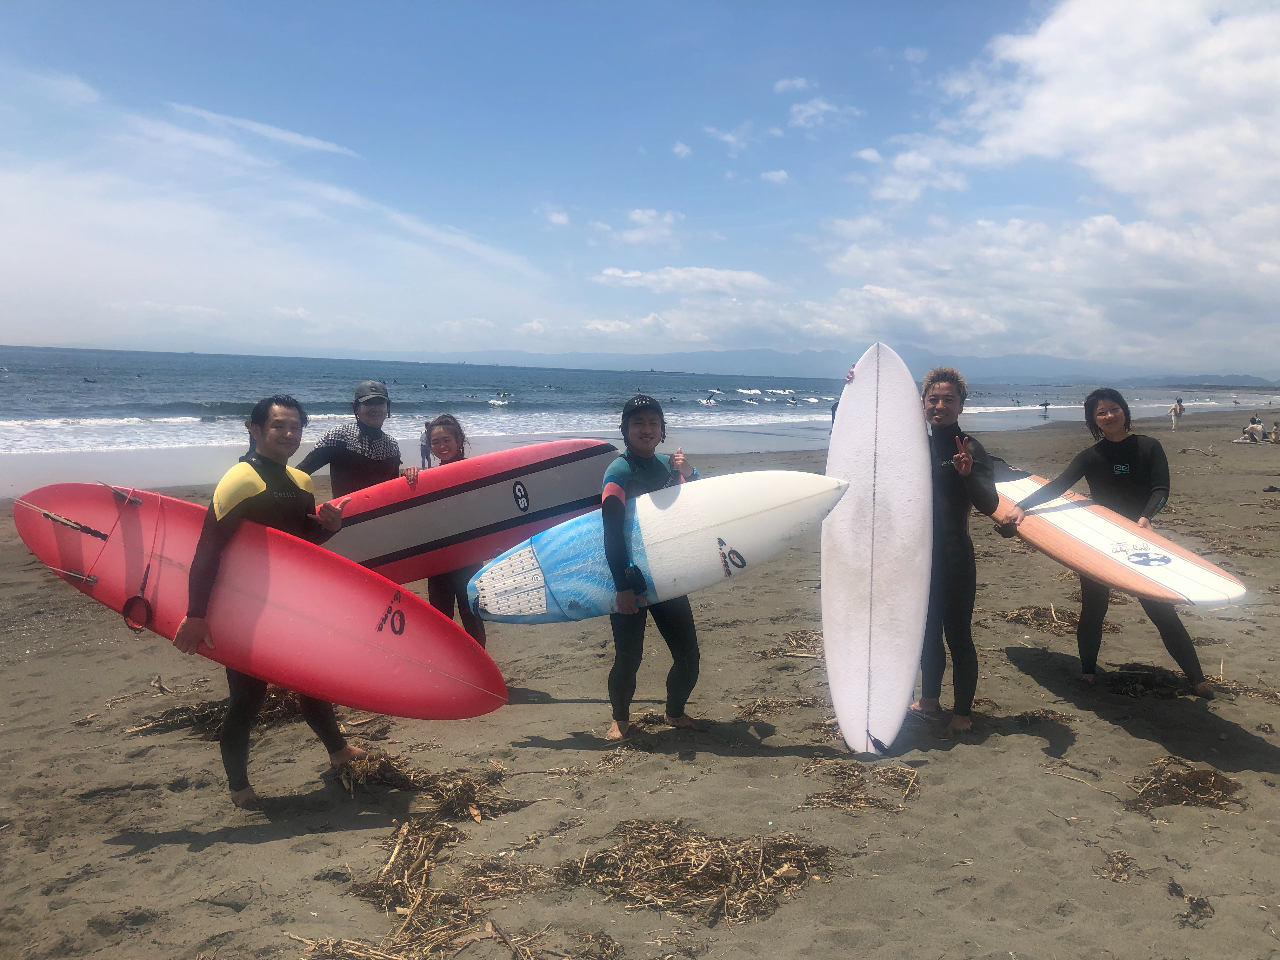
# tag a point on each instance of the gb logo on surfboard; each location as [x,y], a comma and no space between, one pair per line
[729,558]
[1141,554]
[521,495]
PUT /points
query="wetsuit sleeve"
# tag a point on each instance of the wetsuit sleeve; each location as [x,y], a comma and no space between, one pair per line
[981,482]
[613,512]
[214,536]
[1056,488]
[317,458]
[314,531]
[1159,482]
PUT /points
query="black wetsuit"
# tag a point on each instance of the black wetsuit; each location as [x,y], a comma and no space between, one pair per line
[358,456]
[953,584]
[1132,478]
[265,492]
[631,475]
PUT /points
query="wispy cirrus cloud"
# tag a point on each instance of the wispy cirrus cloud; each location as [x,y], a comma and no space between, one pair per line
[650,226]
[686,280]
[818,112]
[278,134]
[792,83]
[774,176]
[737,139]
[681,150]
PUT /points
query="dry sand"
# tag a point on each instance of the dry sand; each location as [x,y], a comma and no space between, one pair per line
[119,845]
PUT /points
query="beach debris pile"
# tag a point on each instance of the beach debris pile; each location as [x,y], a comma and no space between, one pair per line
[1173,782]
[764,707]
[1139,680]
[1029,717]
[1244,690]
[205,718]
[458,794]
[804,644]
[670,867]
[1121,868]
[1051,620]
[1199,909]
[853,784]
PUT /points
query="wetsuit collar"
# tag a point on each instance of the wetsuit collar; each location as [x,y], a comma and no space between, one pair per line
[372,433]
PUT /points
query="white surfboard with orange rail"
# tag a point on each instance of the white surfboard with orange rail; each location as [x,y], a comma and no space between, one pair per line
[1104,546]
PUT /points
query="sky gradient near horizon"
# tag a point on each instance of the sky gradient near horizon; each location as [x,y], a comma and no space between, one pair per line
[1082,179]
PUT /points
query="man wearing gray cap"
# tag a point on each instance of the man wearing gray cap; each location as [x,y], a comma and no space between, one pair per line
[359,454]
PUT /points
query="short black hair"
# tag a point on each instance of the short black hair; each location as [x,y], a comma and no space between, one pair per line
[1091,406]
[263,407]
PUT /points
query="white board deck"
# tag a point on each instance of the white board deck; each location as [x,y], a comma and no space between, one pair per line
[1101,544]
[876,550]
[685,538]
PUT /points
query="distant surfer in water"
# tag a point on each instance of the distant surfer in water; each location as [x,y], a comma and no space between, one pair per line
[360,454]
[448,443]
[639,471]
[1127,473]
[962,480]
[264,489]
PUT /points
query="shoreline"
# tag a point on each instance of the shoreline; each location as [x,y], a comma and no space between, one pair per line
[154,467]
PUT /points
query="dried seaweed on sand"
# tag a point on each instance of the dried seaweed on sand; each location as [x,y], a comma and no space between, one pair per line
[673,868]
[1028,717]
[1120,868]
[458,794]
[1051,620]
[805,644]
[853,782]
[205,718]
[1244,690]
[1173,782]
[764,707]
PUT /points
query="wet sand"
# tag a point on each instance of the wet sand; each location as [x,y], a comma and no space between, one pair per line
[126,846]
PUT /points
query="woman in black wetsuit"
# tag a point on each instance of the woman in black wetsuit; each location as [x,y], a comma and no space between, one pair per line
[962,480]
[1127,473]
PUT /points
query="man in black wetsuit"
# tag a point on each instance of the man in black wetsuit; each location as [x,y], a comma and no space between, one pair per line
[360,454]
[639,471]
[262,488]
[962,479]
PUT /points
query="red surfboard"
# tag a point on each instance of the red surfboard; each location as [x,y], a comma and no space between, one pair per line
[282,609]
[470,511]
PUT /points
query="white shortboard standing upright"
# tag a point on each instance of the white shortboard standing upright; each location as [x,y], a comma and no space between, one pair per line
[877,546]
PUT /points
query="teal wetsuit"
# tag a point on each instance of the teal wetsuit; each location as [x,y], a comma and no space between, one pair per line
[631,475]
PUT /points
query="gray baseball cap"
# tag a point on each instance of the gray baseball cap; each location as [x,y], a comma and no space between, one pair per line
[372,390]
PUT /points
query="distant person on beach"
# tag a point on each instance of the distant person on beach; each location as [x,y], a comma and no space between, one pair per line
[445,590]
[264,489]
[639,471]
[1254,431]
[1176,412]
[1275,432]
[963,479]
[360,454]
[1127,473]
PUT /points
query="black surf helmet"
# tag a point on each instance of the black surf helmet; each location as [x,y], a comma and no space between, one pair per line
[641,401]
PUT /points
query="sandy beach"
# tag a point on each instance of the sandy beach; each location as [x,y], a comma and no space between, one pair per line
[1020,840]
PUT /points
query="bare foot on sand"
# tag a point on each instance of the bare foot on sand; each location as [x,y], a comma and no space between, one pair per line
[245,799]
[926,707]
[959,724]
[684,720]
[617,730]
[346,755]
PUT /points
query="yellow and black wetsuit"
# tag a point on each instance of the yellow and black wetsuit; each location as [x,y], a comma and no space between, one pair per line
[269,493]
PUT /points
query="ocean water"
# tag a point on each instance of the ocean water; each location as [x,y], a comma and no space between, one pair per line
[80,400]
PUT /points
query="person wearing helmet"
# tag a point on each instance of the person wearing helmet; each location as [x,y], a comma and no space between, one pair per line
[359,454]
[639,471]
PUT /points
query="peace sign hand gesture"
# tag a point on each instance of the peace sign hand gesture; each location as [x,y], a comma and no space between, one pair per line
[963,460]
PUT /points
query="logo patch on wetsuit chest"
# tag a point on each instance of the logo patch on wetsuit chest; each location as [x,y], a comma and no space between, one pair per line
[1119,468]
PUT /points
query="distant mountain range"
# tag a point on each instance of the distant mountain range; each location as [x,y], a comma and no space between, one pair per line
[1011,369]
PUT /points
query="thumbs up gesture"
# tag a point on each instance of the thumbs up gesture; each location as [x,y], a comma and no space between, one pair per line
[678,462]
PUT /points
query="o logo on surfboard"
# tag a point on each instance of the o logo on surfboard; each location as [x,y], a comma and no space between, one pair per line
[1145,559]
[521,496]
[395,616]
[730,557]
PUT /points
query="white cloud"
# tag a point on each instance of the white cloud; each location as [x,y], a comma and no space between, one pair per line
[774,176]
[915,55]
[609,326]
[686,280]
[264,130]
[534,327]
[681,150]
[300,313]
[737,139]
[464,329]
[816,113]
[870,154]
[151,306]
[776,132]
[650,226]
[556,217]
[795,83]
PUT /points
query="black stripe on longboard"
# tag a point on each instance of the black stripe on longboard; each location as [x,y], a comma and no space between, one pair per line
[531,469]
[586,503]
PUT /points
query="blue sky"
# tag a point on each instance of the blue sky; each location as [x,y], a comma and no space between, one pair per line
[1079,178]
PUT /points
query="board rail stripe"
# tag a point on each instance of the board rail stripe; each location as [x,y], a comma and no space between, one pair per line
[538,466]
